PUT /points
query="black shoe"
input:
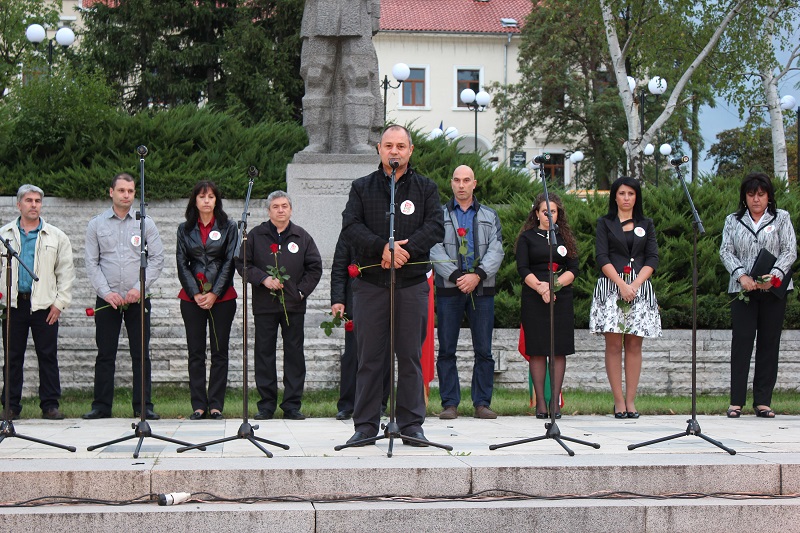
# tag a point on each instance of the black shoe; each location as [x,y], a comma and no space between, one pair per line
[149,414]
[418,435]
[10,415]
[344,415]
[263,415]
[293,414]
[633,414]
[216,415]
[94,414]
[52,414]
[197,415]
[357,436]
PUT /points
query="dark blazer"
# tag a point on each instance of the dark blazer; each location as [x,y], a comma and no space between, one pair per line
[611,245]
[298,253]
[215,259]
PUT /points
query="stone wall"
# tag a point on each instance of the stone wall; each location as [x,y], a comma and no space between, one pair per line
[667,361]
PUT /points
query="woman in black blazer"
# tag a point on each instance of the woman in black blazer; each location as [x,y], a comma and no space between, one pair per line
[206,247]
[624,307]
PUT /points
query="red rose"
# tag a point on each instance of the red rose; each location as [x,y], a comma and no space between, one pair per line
[1,294]
[202,277]
[348,326]
[627,270]
[89,311]
[274,248]
[462,232]
[775,282]
[554,267]
[353,270]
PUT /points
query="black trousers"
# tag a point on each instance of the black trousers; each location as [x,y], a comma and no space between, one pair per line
[294,361]
[45,339]
[217,321]
[371,320]
[762,316]
[347,375]
[108,323]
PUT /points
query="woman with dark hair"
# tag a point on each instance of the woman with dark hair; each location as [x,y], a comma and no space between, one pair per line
[624,306]
[206,246]
[533,264]
[757,316]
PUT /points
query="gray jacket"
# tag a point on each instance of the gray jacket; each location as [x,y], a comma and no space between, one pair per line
[741,243]
[488,240]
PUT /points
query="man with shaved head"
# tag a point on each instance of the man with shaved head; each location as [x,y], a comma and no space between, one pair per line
[466,263]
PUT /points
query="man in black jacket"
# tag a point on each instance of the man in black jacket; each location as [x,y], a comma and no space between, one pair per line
[418,226]
[283,266]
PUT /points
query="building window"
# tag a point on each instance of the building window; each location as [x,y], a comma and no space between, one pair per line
[467,79]
[554,170]
[414,88]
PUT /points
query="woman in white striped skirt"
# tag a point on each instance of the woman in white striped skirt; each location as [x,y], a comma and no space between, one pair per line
[624,307]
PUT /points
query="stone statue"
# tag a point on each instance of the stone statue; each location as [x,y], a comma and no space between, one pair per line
[342,107]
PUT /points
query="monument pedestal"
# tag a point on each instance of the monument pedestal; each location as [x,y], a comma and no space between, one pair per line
[319,185]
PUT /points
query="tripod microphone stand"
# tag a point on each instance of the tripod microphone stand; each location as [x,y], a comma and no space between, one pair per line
[246,431]
[142,428]
[552,427]
[392,430]
[694,427]
[7,425]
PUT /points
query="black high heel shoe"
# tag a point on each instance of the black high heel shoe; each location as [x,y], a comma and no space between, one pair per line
[619,415]
[542,416]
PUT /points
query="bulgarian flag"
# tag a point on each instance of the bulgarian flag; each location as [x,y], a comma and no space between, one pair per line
[428,356]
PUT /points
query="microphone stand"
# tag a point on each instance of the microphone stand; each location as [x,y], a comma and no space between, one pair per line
[142,428]
[552,427]
[694,427]
[392,430]
[246,430]
[7,425]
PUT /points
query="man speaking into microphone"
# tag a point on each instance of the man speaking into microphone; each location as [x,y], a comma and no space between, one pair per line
[418,226]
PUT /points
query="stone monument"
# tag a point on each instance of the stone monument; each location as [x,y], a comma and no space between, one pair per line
[342,113]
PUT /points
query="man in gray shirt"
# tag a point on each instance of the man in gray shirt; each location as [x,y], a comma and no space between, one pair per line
[113,241]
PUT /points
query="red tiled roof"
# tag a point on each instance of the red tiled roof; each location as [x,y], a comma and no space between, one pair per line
[452,16]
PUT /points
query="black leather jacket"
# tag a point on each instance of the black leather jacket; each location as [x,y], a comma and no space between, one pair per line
[215,259]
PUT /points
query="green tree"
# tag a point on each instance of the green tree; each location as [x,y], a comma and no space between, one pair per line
[564,88]
[239,54]
[747,149]
[15,16]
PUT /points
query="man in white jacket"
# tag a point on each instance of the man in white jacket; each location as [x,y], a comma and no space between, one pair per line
[36,306]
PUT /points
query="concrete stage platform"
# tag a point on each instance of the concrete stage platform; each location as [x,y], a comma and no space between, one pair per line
[306,488]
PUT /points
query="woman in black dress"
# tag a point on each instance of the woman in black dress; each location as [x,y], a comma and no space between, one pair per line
[533,264]
[206,245]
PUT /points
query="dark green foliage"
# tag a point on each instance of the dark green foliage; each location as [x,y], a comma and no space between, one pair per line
[185,144]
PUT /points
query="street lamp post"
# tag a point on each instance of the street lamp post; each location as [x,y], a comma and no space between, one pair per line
[401,72]
[35,33]
[476,103]
[788,102]
[575,157]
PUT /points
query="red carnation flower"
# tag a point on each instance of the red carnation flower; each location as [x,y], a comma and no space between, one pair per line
[1,294]
[202,277]
[462,232]
[554,267]
[89,311]
[627,269]
[353,270]
[775,282]
[274,248]
[348,326]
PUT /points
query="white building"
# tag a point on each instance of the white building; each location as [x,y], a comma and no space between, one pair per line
[450,45]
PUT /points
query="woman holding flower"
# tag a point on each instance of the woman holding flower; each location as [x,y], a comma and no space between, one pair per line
[205,251]
[624,307]
[534,266]
[757,224]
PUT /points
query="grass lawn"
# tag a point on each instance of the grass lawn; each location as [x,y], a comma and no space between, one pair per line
[172,401]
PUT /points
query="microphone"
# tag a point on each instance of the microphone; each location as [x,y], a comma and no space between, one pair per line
[540,159]
[394,163]
[678,161]
[173,498]
[252,171]
[141,150]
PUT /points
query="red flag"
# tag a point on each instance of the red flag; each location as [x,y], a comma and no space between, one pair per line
[428,356]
